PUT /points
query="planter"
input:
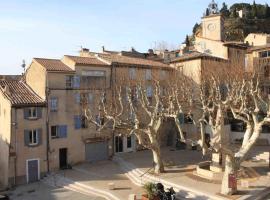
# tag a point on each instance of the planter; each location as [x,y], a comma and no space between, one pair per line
[145,197]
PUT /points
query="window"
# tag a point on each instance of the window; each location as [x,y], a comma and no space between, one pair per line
[134,94]
[59,131]
[77,81]
[84,121]
[99,121]
[129,142]
[149,91]
[163,74]
[266,129]
[80,121]
[266,71]
[132,73]
[78,98]
[32,113]
[93,79]
[246,63]
[91,98]
[33,138]
[237,125]
[54,104]
[148,74]
[54,132]
[69,82]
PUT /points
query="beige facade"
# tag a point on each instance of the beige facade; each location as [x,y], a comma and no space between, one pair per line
[58,136]
[257,39]
[213,27]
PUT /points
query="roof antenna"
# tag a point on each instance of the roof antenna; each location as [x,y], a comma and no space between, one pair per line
[23,65]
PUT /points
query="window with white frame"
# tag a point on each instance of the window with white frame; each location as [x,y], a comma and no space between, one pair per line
[148,74]
[54,131]
[33,137]
[132,73]
[32,113]
[69,81]
[54,104]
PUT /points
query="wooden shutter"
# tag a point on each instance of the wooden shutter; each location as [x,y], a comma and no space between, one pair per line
[77,122]
[26,137]
[181,118]
[63,131]
[26,113]
[77,81]
[39,136]
[39,112]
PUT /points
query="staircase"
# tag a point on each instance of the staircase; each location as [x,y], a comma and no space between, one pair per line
[57,180]
[139,178]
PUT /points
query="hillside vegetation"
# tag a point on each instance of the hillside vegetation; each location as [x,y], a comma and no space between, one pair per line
[256,19]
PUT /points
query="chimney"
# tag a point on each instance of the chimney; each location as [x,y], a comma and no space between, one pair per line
[84,52]
[150,52]
[103,49]
[6,89]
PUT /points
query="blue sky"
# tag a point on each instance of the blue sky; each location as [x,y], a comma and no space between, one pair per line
[53,28]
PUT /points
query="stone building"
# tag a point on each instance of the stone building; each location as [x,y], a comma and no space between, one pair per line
[44,127]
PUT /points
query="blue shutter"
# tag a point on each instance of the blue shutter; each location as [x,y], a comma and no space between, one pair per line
[26,138]
[77,122]
[39,112]
[26,113]
[77,81]
[181,118]
[98,119]
[63,131]
[39,136]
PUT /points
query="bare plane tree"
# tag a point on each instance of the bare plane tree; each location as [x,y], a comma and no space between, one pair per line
[242,97]
[134,109]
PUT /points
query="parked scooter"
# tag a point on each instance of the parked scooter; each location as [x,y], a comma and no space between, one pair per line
[169,195]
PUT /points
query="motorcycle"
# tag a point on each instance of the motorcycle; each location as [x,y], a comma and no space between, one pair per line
[169,195]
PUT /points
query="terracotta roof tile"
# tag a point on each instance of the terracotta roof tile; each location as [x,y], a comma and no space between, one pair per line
[194,55]
[19,93]
[131,60]
[86,60]
[258,48]
[53,64]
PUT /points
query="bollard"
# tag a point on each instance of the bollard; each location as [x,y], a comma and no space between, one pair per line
[111,186]
[132,197]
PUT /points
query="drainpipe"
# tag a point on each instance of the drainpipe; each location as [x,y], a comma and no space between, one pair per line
[47,92]
[113,78]
[14,127]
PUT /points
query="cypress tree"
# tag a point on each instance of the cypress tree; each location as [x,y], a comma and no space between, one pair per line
[187,41]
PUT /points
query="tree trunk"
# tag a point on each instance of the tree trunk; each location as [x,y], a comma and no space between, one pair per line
[158,164]
[230,168]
